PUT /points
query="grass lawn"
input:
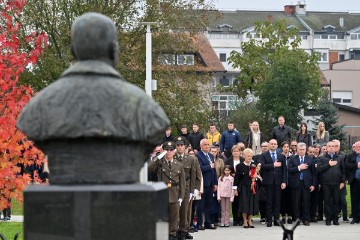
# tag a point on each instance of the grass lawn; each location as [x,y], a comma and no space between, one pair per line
[9,229]
[17,208]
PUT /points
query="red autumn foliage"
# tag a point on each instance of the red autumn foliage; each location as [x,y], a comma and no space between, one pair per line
[16,152]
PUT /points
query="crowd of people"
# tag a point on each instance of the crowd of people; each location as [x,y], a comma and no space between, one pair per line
[283,179]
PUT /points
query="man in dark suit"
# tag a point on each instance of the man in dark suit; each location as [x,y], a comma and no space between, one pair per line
[281,132]
[352,165]
[273,168]
[302,180]
[207,165]
[332,169]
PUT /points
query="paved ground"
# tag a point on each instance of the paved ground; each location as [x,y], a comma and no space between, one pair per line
[14,218]
[317,231]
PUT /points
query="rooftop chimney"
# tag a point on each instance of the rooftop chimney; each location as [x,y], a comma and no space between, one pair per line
[289,9]
[299,8]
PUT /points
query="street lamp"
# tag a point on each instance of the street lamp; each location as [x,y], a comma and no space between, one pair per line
[148,85]
[148,81]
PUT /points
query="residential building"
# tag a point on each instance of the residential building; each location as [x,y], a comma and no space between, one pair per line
[334,35]
[349,117]
[344,79]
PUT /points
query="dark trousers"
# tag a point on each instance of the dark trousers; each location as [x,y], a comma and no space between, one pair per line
[273,201]
[343,203]
[314,196]
[355,198]
[331,201]
[204,206]
[286,202]
[320,207]
[262,209]
[7,211]
[301,202]
[235,209]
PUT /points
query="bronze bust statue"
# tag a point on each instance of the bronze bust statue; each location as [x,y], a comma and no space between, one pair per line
[94,126]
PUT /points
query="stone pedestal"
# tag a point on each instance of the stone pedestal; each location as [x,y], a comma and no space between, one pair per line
[101,212]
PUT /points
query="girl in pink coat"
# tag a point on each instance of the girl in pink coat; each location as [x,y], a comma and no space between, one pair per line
[225,194]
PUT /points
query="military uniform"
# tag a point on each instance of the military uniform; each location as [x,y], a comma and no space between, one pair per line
[190,177]
[171,172]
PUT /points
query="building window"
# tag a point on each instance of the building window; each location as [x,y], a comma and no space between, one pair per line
[167,59]
[327,36]
[185,59]
[341,57]
[344,97]
[225,81]
[323,56]
[223,57]
[224,103]
[304,37]
[355,36]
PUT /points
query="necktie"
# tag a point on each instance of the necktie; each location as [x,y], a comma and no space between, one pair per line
[301,174]
[357,172]
[273,157]
[180,158]
[207,155]
[170,165]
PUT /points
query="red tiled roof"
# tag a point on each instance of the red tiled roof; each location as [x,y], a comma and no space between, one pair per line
[208,54]
[206,60]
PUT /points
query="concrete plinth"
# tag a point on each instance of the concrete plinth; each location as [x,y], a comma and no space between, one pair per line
[128,211]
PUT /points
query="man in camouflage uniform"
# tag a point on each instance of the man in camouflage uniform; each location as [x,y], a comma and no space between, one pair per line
[171,172]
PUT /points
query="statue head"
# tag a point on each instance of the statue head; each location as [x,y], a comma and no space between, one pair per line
[94,37]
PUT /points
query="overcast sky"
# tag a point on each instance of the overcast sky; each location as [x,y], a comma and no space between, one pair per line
[278,5]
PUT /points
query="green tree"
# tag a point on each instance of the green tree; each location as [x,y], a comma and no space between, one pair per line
[246,113]
[285,78]
[329,115]
[173,17]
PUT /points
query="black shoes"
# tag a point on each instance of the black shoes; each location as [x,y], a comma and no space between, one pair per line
[313,219]
[306,223]
[211,226]
[188,236]
[201,227]
[320,218]
[269,224]
[276,223]
[171,237]
[336,222]
[235,223]
[328,222]
[357,221]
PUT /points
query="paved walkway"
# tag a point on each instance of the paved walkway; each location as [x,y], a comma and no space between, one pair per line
[317,231]
[14,218]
